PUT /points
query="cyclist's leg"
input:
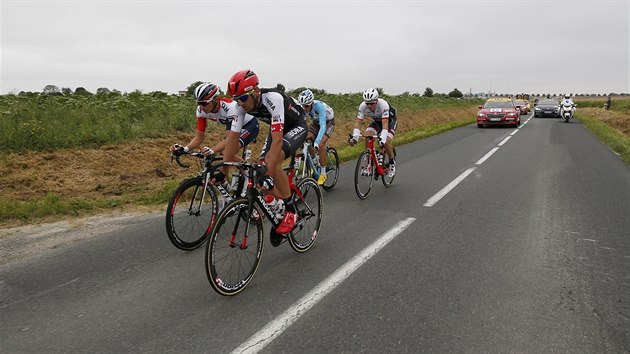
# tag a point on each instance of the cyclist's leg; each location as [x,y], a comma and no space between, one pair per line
[249,132]
[389,146]
[373,129]
[330,127]
[293,139]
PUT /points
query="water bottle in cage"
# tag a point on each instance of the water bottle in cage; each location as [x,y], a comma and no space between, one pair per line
[276,205]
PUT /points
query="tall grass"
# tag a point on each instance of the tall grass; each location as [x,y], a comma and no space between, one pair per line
[37,122]
[54,122]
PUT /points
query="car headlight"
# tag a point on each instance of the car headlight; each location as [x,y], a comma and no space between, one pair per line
[537,109]
[511,114]
[481,114]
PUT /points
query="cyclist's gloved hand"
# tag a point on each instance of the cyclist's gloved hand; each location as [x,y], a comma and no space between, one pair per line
[206,151]
[316,146]
[383,137]
[177,149]
[356,134]
[266,182]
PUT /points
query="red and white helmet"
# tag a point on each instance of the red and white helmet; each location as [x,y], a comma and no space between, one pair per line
[206,92]
[242,82]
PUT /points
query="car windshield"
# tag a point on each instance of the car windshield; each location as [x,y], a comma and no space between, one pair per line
[548,102]
[498,104]
[519,102]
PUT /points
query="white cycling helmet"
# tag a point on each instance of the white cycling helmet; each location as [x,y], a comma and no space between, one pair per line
[567,96]
[370,95]
[306,97]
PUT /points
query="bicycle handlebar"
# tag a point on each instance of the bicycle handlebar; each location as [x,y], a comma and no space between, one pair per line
[176,156]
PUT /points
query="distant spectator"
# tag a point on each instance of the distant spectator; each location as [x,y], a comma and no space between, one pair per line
[608,104]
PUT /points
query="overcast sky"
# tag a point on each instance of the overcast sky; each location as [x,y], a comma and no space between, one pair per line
[506,46]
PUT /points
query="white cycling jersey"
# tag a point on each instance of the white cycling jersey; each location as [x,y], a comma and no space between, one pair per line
[381,111]
[226,115]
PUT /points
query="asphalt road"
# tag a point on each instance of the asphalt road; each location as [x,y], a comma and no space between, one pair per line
[516,240]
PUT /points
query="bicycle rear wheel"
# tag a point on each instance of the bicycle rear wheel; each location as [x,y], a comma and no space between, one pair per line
[309,213]
[332,168]
[190,214]
[234,248]
[364,175]
[387,181]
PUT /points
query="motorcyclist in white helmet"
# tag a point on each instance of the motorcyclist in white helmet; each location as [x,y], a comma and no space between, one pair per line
[568,101]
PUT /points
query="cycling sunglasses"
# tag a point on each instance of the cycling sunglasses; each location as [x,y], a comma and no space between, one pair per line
[243,98]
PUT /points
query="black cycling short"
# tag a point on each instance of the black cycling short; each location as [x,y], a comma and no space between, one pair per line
[292,140]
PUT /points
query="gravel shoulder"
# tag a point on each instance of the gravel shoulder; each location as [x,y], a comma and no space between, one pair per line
[19,243]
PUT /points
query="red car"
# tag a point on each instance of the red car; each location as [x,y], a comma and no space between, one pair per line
[522,105]
[498,112]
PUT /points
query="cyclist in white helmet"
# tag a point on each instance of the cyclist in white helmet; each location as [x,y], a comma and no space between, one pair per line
[221,110]
[383,123]
[322,126]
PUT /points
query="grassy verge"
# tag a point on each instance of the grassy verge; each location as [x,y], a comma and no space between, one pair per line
[616,139]
[149,192]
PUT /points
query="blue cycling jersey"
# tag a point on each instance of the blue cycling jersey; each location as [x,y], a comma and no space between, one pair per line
[321,113]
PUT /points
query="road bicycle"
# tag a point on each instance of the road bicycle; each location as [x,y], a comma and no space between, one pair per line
[235,244]
[370,167]
[195,204]
[307,165]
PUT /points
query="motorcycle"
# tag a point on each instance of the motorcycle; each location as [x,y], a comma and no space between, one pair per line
[566,111]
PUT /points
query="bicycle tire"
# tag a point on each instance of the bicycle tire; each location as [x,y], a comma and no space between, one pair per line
[387,181]
[332,169]
[364,175]
[232,261]
[189,219]
[309,213]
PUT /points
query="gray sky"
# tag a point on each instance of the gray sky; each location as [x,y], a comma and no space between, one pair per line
[535,46]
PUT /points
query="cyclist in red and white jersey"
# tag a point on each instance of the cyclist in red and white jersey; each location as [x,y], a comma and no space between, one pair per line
[383,123]
[223,111]
[286,134]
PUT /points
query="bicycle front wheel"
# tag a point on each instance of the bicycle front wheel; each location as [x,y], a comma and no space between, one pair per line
[309,210]
[190,214]
[364,175]
[332,169]
[234,248]
[387,181]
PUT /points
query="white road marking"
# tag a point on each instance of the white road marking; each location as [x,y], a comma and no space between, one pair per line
[486,156]
[444,191]
[439,195]
[504,140]
[273,329]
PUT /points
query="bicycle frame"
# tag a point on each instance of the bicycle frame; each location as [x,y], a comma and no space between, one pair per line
[255,197]
[370,146]
[306,162]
